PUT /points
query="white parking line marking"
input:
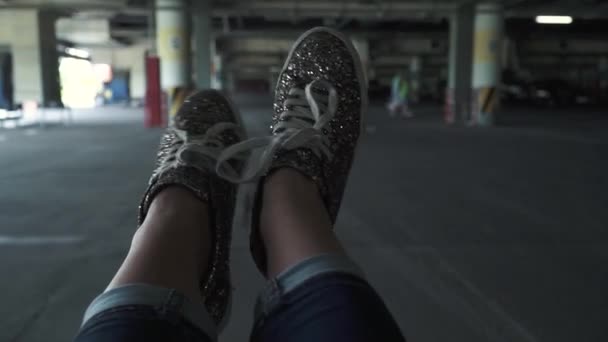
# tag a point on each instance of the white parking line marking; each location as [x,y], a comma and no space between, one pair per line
[7,240]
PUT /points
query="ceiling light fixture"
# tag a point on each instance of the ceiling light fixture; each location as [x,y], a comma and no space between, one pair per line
[554,19]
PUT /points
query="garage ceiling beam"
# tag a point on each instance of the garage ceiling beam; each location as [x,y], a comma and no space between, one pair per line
[293,33]
[368,10]
[335,9]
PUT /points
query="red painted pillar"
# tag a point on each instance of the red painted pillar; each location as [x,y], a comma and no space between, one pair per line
[153,110]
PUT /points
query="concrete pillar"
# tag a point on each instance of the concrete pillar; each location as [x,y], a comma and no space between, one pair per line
[362,46]
[458,94]
[29,36]
[415,78]
[487,65]
[603,77]
[203,43]
[507,51]
[273,78]
[6,79]
[173,43]
[230,84]
[49,59]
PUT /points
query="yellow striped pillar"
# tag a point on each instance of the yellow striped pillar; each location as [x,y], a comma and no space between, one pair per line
[173,48]
[486,63]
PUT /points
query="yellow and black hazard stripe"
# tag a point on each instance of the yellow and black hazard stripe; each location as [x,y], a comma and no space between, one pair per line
[177,96]
[488,99]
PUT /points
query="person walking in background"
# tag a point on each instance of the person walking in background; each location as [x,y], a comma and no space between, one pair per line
[398,103]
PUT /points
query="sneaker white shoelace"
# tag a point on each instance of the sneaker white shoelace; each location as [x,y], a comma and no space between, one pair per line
[306,114]
[208,145]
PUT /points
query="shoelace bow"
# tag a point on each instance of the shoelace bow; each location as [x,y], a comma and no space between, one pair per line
[307,113]
[209,145]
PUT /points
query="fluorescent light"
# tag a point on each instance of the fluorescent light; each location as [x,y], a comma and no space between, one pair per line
[554,19]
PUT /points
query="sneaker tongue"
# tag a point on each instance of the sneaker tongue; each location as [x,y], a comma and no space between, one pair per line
[311,121]
[199,161]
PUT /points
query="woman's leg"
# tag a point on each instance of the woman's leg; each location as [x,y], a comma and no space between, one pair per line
[168,256]
[174,284]
[294,223]
[315,292]
[171,248]
[323,296]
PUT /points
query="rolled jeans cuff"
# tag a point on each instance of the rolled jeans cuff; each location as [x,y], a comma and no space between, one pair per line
[168,301]
[297,275]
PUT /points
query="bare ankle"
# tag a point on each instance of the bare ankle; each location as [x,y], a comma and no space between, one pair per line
[289,178]
[294,223]
[177,201]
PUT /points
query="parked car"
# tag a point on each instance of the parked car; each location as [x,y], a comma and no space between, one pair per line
[558,93]
[516,92]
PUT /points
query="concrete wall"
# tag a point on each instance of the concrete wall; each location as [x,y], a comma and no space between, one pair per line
[538,57]
[125,58]
[253,57]
[19,31]
[565,46]
[576,60]
[83,30]
[132,58]
[30,37]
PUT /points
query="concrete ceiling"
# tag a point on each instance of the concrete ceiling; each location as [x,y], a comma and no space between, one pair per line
[328,8]
[128,19]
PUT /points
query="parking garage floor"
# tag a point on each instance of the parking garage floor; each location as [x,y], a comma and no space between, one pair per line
[469,234]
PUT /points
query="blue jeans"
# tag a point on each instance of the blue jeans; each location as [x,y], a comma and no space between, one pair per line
[322,299]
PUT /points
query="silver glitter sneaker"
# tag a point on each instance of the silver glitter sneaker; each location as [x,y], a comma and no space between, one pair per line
[205,124]
[320,101]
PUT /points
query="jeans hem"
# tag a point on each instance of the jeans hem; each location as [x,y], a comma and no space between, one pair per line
[295,276]
[162,299]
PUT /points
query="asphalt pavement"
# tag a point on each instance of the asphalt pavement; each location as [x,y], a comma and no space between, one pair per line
[469,234]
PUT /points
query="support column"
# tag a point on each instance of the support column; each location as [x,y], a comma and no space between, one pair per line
[173,48]
[415,78]
[29,37]
[6,80]
[49,59]
[173,43]
[203,43]
[458,94]
[230,85]
[603,78]
[487,66]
